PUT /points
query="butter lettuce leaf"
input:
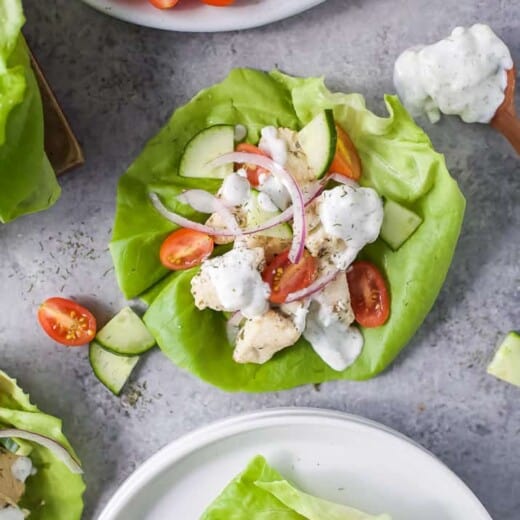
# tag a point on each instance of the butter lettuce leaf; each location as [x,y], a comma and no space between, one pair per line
[53,493]
[27,180]
[261,493]
[398,161]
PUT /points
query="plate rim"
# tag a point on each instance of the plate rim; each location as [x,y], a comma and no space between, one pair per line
[132,17]
[207,434]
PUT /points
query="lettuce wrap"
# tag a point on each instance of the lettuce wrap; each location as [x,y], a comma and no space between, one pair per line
[260,492]
[53,493]
[27,180]
[398,161]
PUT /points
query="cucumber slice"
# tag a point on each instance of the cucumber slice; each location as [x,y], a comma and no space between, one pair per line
[125,334]
[206,146]
[112,370]
[256,215]
[318,141]
[506,362]
[399,224]
[9,445]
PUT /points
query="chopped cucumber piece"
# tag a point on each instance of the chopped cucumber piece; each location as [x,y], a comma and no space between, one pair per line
[205,147]
[126,334]
[112,370]
[399,224]
[506,362]
[318,141]
[257,215]
[9,445]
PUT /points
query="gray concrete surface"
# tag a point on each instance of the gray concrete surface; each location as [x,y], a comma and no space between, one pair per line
[118,83]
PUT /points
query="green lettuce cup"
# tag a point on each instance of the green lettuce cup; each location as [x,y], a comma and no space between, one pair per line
[53,489]
[261,493]
[27,181]
[398,161]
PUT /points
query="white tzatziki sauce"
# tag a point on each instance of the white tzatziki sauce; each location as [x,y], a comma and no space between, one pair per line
[22,468]
[464,74]
[277,192]
[265,202]
[272,145]
[235,189]
[338,344]
[238,283]
[354,215]
[11,513]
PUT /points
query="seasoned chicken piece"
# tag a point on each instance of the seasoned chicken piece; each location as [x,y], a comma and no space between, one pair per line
[204,292]
[334,300]
[232,282]
[11,489]
[272,246]
[297,164]
[215,220]
[262,337]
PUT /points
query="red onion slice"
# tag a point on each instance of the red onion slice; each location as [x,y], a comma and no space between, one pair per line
[298,204]
[314,287]
[283,217]
[342,180]
[233,326]
[55,447]
[205,202]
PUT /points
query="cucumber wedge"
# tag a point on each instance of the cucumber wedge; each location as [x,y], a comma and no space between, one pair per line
[399,224]
[9,444]
[318,141]
[112,370]
[206,146]
[256,215]
[506,362]
[125,334]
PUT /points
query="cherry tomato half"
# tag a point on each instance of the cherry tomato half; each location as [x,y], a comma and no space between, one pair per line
[218,3]
[253,171]
[284,277]
[163,4]
[346,160]
[368,294]
[67,322]
[185,248]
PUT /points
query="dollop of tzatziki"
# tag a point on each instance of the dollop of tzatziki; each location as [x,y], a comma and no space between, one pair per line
[11,513]
[235,189]
[353,214]
[272,145]
[22,468]
[238,283]
[464,74]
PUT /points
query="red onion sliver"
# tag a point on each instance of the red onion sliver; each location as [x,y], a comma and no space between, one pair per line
[283,217]
[232,326]
[298,205]
[57,449]
[342,180]
[205,202]
[314,287]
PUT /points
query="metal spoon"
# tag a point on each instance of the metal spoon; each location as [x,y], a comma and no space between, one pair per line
[505,119]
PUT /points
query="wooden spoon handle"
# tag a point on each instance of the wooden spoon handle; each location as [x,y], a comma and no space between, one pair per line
[505,119]
[508,125]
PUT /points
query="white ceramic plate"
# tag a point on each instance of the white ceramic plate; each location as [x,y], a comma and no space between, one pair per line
[194,16]
[336,456]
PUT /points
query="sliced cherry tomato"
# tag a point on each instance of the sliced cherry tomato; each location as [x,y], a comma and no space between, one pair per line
[284,277]
[163,4]
[253,171]
[218,3]
[346,160]
[368,294]
[67,322]
[185,248]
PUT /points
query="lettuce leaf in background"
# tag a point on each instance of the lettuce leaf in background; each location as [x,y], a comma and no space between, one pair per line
[27,180]
[261,493]
[398,160]
[53,493]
